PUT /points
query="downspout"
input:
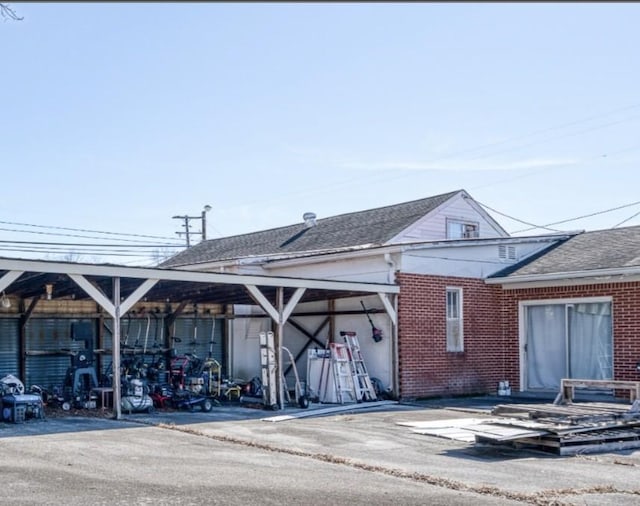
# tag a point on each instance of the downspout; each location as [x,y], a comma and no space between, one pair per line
[395,359]
[391,275]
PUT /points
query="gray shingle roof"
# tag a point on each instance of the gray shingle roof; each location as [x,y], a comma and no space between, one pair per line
[370,227]
[590,251]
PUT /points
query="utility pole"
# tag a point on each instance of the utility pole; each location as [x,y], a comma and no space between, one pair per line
[186,218]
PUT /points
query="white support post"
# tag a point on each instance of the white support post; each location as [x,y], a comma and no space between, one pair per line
[115,349]
[279,315]
[115,310]
[280,334]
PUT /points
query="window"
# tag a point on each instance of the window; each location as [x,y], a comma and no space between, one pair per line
[454,320]
[462,230]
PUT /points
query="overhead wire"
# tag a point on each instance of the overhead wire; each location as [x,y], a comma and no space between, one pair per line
[36,243]
[586,216]
[118,235]
[52,227]
[626,220]
[384,178]
[546,227]
[72,252]
[517,219]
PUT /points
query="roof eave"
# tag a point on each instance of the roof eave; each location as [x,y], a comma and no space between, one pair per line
[568,278]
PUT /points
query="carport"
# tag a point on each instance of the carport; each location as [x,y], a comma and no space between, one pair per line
[116,289]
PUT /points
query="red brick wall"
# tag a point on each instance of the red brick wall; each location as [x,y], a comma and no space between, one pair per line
[625,307]
[426,368]
[491,333]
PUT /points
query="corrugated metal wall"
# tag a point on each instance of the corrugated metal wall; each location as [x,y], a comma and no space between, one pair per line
[199,341]
[52,335]
[141,334]
[9,346]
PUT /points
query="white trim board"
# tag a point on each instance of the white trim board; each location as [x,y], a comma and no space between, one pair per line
[325,411]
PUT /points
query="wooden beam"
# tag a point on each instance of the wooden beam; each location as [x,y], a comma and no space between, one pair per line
[391,311]
[311,337]
[263,302]
[22,366]
[95,293]
[137,294]
[9,278]
[293,301]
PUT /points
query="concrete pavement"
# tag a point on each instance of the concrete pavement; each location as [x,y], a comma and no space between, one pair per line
[232,456]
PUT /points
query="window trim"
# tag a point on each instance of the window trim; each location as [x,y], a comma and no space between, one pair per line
[463,224]
[522,330]
[459,318]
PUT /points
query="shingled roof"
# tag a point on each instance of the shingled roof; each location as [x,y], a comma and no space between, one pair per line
[616,248]
[373,227]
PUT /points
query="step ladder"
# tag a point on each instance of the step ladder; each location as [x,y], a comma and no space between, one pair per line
[268,366]
[363,385]
[342,374]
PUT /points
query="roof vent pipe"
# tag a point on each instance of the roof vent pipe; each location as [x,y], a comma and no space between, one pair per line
[309,219]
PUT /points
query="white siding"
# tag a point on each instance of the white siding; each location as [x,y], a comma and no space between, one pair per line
[433,226]
[371,269]
[377,356]
[472,261]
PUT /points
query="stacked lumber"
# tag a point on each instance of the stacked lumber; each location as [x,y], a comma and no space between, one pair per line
[587,427]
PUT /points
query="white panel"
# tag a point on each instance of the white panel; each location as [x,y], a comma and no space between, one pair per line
[432,227]
[368,269]
[473,261]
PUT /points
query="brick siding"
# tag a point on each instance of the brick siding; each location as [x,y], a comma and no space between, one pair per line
[491,333]
[625,306]
[426,368]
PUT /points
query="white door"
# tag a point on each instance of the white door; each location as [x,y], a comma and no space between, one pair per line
[567,340]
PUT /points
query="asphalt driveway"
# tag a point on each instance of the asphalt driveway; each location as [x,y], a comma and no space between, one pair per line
[233,456]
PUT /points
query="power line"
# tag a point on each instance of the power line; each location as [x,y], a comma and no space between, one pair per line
[518,220]
[568,134]
[51,227]
[65,235]
[628,219]
[546,227]
[98,245]
[72,252]
[586,216]
[383,178]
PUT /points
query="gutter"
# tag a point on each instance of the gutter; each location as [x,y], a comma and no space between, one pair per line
[369,250]
[594,275]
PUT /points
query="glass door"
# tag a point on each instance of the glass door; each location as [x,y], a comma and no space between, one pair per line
[567,340]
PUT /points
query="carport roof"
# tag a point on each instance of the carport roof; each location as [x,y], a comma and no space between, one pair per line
[172,285]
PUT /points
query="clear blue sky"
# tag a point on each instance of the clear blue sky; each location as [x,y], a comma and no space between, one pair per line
[118,116]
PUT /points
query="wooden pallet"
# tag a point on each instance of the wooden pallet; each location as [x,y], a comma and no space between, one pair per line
[571,429]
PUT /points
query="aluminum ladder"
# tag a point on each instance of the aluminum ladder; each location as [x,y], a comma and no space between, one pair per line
[342,374]
[365,390]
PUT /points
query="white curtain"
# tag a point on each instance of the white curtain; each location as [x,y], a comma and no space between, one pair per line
[546,347]
[590,341]
[568,341]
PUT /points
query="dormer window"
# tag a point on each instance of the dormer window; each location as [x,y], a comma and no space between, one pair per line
[462,230]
